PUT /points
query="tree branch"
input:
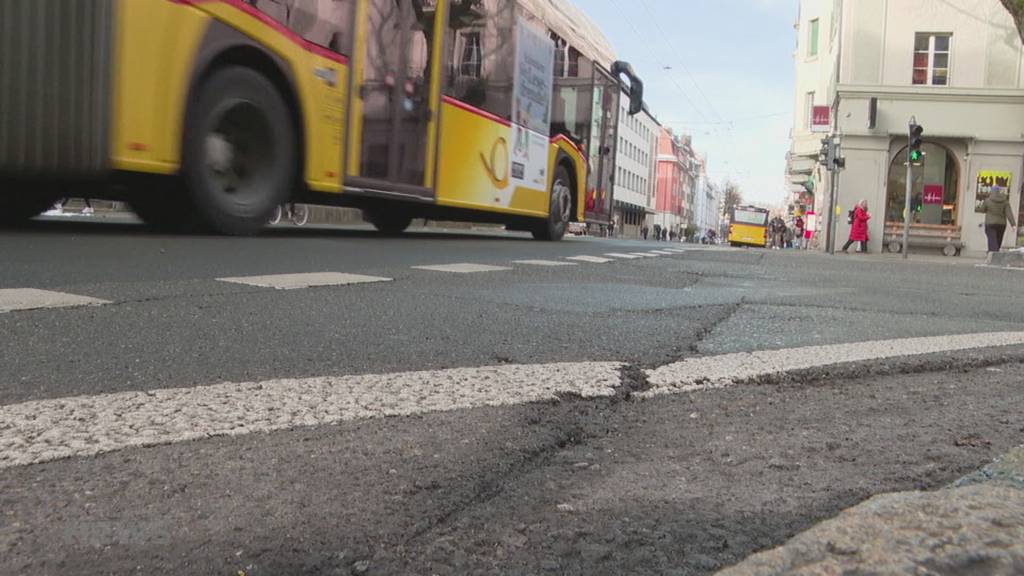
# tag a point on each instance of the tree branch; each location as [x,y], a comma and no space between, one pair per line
[1016,9]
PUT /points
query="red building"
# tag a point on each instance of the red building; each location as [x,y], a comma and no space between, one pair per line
[670,201]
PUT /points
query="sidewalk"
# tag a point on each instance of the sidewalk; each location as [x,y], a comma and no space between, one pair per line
[975,526]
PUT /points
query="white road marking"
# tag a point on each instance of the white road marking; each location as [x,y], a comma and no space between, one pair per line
[623,256]
[311,280]
[551,263]
[644,255]
[462,268]
[590,259]
[728,369]
[44,430]
[12,299]
[675,250]
[662,252]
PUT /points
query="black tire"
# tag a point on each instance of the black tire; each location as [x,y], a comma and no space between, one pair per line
[17,208]
[560,209]
[239,158]
[389,222]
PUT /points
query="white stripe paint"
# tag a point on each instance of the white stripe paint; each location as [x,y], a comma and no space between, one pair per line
[590,259]
[623,256]
[311,280]
[644,255]
[549,263]
[12,299]
[45,430]
[462,268]
[675,250]
[725,370]
[662,252]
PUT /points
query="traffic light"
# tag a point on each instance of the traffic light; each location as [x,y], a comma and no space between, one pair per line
[825,152]
[916,154]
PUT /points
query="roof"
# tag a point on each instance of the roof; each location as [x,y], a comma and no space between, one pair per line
[572,24]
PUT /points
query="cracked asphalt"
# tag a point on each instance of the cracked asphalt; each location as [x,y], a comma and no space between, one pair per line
[683,484]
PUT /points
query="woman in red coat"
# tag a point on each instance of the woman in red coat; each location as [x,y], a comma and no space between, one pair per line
[859,228]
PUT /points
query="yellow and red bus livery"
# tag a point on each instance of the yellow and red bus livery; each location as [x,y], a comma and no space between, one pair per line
[214,112]
[749,226]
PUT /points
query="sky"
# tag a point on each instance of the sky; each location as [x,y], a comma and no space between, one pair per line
[719,70]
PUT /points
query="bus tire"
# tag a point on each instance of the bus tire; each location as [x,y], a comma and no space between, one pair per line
[389,222]
[239,157]
[556,224]
[16,208]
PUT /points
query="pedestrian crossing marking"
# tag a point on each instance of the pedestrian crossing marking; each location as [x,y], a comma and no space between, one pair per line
[590,259]
[644,255]
[549,263]
[307,280]
[12,299]
[623,256]
[662,252]
[464,268]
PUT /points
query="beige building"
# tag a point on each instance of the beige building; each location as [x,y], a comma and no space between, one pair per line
[955,65]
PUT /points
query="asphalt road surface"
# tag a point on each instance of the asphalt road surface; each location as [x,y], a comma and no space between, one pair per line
[569,408]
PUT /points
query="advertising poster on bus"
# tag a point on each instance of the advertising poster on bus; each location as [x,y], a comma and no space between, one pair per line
[531,107]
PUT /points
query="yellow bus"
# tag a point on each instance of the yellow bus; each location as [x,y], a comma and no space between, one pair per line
[211,113]
[748,226]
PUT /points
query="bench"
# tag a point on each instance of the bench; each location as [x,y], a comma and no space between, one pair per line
[943,236]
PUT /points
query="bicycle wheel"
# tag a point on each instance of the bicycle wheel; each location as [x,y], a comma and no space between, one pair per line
[275,216]
[300,214]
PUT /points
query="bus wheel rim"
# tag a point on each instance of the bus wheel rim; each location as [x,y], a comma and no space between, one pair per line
[564,202]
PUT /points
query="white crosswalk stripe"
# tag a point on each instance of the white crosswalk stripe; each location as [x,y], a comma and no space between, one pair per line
[548,263]
[644,255]
[590,259]
[623,256]
[12,299]
[662,252]
[298,281]
[464,268]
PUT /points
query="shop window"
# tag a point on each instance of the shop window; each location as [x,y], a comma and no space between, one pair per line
[935,196]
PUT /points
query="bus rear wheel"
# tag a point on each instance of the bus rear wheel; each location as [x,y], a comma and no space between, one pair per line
[16,208]
[239,157]
[560,210]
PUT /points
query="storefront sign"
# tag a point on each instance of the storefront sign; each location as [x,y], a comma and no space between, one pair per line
[933,194]
[821,119]
[987,179]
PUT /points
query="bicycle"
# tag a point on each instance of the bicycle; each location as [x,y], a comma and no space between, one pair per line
[297,213]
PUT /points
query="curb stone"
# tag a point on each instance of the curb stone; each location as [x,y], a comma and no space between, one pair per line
[975,526]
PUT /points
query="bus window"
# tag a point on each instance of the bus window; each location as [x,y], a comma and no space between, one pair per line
[480,47]
[572,105]
[327,23]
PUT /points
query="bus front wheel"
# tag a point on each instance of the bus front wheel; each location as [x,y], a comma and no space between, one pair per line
[387,222]
[560,212]
[240,153]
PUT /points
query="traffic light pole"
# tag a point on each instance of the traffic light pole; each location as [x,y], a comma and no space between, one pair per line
[910,189]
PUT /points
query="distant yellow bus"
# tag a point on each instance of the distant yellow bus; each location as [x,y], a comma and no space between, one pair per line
[212,113]
[749,227]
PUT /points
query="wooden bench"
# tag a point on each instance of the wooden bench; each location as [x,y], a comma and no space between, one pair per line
[944,236]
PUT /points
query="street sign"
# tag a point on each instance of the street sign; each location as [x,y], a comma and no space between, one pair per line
[821,119]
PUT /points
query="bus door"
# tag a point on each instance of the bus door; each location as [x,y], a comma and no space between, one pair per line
[601,149]
[395,97]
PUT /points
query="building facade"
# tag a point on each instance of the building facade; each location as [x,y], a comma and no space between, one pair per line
[670,198]
[707,204]
[955,66]
[635,172]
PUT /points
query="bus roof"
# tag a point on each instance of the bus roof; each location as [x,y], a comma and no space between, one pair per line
[573,25]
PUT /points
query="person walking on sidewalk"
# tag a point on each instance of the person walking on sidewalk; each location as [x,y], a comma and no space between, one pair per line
[859,227]
[997,216]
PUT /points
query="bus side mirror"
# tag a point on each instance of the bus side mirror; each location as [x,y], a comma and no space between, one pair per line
[636,86]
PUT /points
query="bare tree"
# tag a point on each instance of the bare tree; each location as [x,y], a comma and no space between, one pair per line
[731,196]
[1016,9]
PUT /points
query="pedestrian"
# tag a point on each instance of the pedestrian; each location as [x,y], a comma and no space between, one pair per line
[777,228]
[672,236]
[997,216]
[859,227]
[798,232]
[643,232]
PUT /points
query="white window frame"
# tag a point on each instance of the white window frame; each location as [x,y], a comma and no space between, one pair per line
[930,71]
[809,112]
[813,37]
[475,63]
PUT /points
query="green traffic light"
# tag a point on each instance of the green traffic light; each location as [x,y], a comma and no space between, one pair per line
[915,155]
